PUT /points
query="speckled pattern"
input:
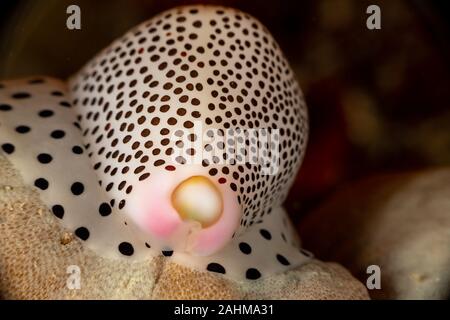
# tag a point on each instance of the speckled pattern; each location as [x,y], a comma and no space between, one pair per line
[36,252]
[88,149]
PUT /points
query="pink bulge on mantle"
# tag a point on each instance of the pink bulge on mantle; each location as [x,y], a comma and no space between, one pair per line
[153,208]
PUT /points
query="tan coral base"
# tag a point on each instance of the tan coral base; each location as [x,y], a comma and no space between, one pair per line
[35,253]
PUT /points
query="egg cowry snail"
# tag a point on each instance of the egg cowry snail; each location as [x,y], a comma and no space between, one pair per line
[183,137]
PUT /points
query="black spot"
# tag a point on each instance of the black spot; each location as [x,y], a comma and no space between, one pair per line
[58,211]
[82,233]
[77,188]
[77,150]
[41,183]
[281,259]
[57,93]
[21,95]
[245,248]
[215,267]
[5,107]
[252,274]
[57,134]
[126,249]
[65,104]
[46,113]
[44,158]
[8,148]
[104,209]
[23,129]
[265,234]
[147,245]
[167,253]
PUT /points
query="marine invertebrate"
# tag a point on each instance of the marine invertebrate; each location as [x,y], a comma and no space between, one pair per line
[181,137]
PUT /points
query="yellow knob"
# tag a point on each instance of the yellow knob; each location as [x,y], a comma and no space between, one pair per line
[198,199]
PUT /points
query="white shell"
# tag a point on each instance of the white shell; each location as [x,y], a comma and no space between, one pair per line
[214,66]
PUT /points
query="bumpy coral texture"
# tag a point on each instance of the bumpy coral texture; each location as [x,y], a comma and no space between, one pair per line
[36,252]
